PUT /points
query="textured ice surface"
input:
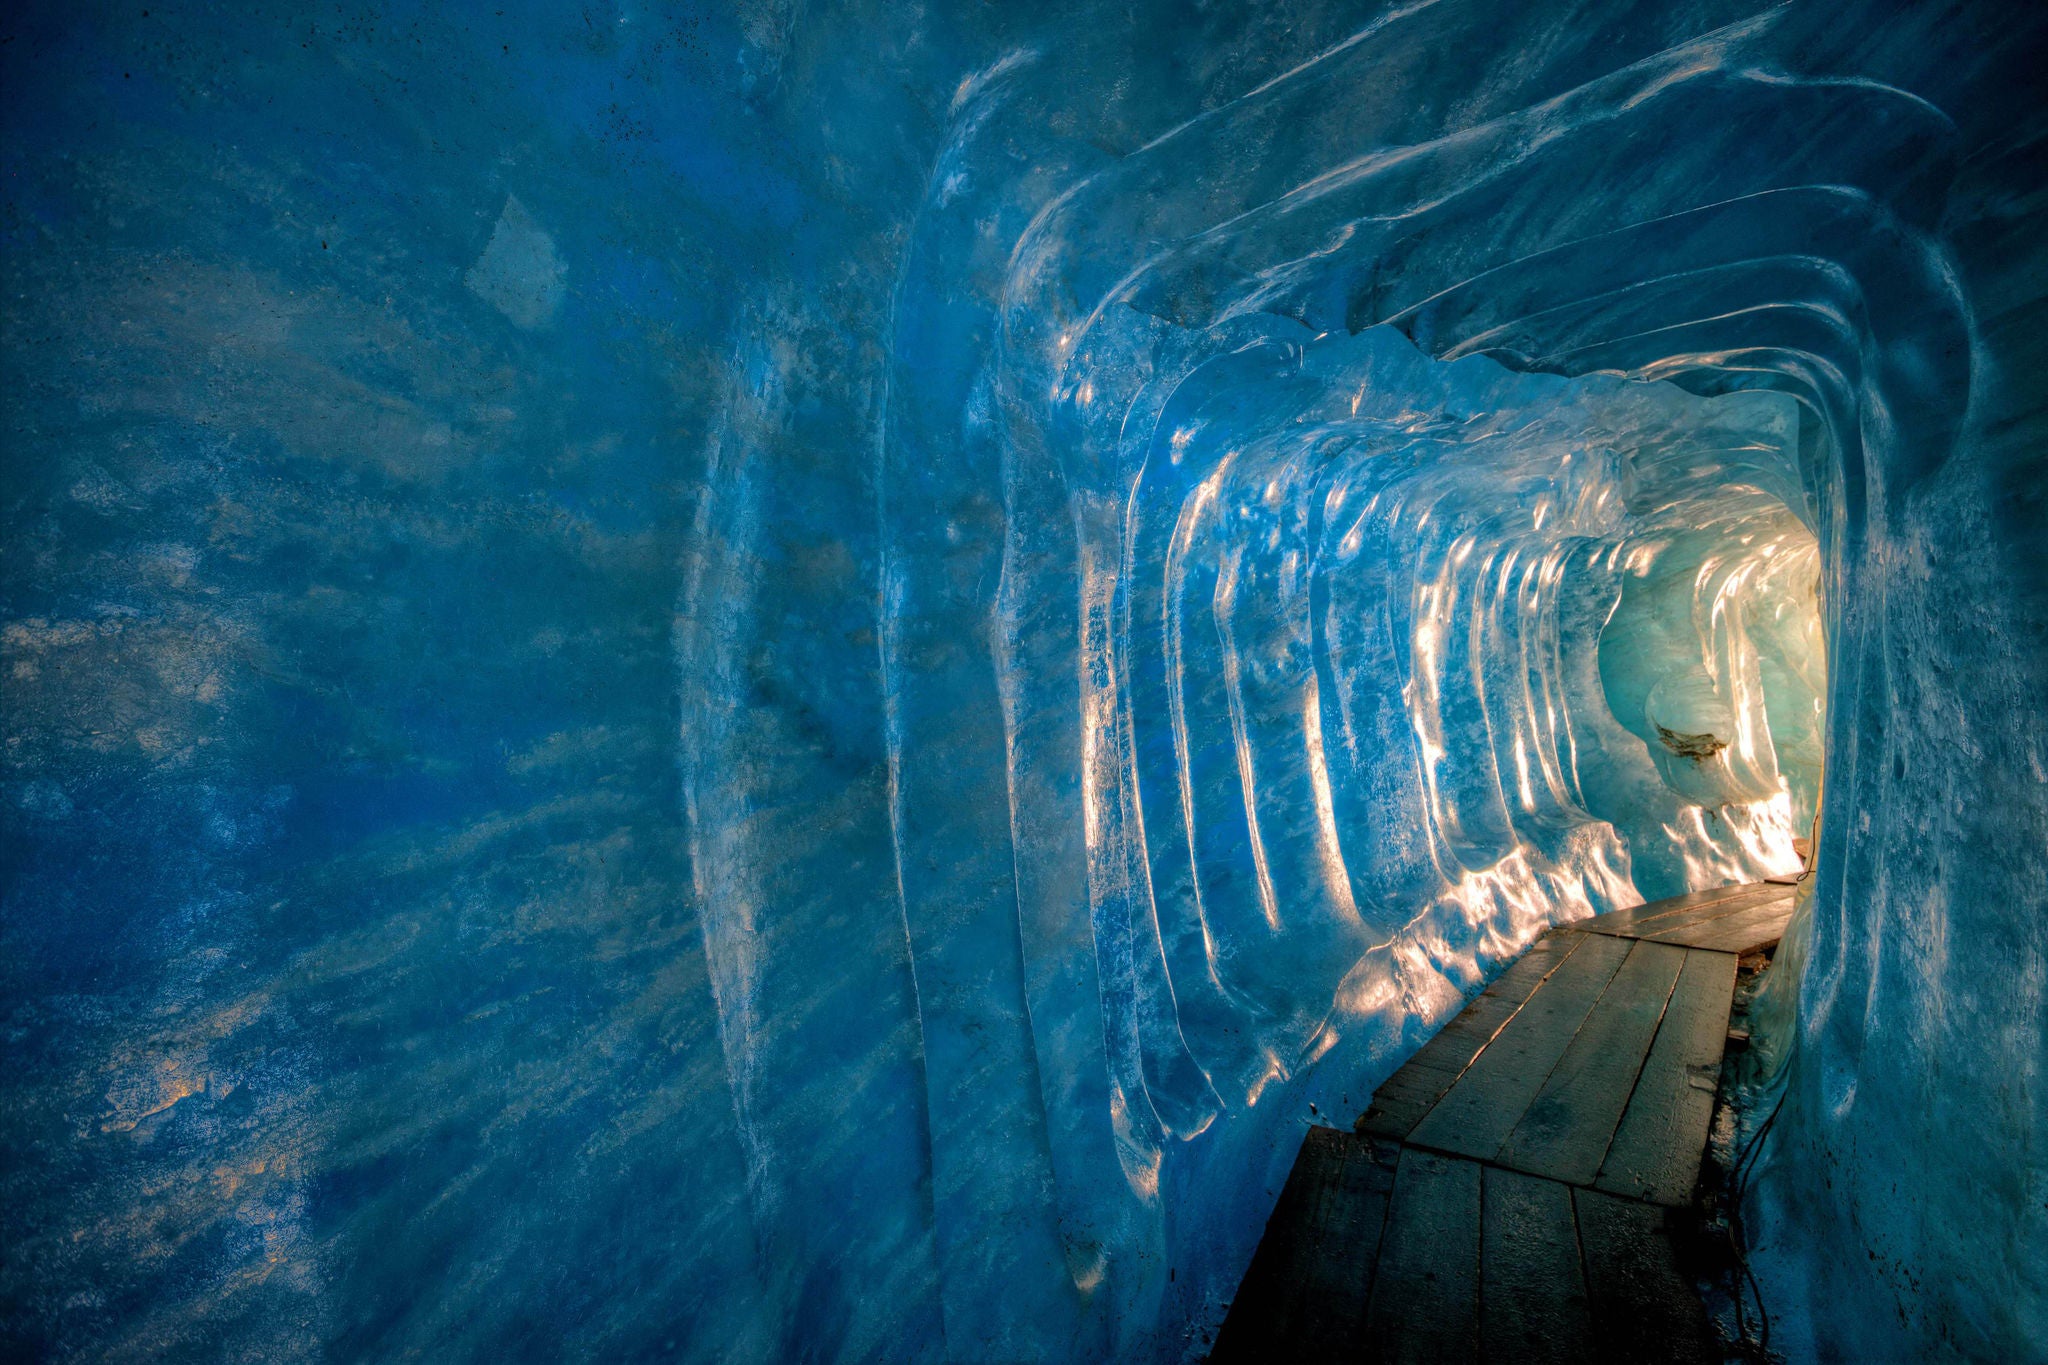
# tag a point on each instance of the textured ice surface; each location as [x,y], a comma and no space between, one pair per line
[791,682]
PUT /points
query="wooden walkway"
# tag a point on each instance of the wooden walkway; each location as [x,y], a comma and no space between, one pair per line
[1507,1196]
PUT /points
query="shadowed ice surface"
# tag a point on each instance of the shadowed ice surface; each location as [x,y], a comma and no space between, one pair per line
[791,682]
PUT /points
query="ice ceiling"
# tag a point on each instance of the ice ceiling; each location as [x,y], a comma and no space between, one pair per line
[791,682]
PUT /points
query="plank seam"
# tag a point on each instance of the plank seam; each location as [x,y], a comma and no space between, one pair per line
[1636,1080]
[1578,941]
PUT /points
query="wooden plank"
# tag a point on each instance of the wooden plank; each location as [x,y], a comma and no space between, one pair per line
[1656,1149]
[1532,1297]
[1748,931]
[1405,1097]
[1476,1115]
[1305,1292]
[1755,923]
[1689,902]
[1648,921]
[1691,899]
[1565,1132]
[1644,1308]
[1732,908]
[1425,1298]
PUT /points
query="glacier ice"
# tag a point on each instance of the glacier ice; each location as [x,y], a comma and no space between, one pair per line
[763,682]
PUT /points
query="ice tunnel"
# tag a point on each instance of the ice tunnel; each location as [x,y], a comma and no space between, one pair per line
[761,681]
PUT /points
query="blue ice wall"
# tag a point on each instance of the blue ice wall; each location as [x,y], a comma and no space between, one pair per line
[783,682]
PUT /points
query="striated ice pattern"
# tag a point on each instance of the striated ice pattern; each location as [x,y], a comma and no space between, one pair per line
[756,681]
